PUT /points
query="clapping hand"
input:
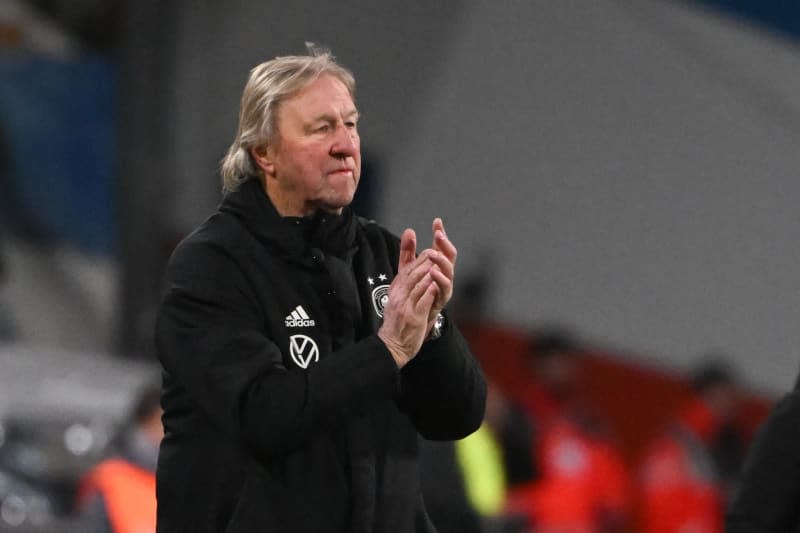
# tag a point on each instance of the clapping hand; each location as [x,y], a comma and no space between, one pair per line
[420,290]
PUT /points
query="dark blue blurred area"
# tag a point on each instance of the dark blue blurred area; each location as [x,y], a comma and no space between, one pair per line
[58,122]
[782,16]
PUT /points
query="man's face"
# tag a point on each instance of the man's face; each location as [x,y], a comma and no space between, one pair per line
[314,162]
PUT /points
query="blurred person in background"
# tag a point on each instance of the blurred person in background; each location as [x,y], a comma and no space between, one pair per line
[690,469]
[767,499]
[466,483]
[495,457]
[444,489]
[580,483]
[305,349]
[118,495]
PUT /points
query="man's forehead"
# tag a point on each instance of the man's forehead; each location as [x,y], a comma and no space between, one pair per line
[324,95]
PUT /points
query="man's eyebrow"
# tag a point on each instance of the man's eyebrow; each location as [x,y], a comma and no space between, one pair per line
[328,117]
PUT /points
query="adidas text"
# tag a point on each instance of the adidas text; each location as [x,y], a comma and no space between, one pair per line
[299,323]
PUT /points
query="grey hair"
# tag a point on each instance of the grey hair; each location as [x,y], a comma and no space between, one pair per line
[269,84]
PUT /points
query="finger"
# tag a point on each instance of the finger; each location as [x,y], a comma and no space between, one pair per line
[438,225]
[426,257]
[418,269]
[444,282]
[444,245]
[444,295]
[425,302]
[419,288]
[405,281]
[443,264]
[441,242]
[408,248]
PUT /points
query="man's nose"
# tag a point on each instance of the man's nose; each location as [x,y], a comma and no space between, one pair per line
[345,143]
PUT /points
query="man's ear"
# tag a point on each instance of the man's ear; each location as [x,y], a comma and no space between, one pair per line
[263,158]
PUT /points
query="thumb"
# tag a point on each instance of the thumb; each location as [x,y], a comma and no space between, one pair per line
[408,248]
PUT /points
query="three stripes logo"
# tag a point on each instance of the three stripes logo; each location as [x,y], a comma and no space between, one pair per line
[299,319]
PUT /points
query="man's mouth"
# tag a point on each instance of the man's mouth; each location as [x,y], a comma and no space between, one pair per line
[342,171]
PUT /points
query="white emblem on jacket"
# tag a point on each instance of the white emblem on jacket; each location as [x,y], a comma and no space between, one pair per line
[298,318]
[380,297]
[303,350]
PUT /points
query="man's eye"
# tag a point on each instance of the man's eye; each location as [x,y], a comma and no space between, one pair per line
[323,128]
[350,124]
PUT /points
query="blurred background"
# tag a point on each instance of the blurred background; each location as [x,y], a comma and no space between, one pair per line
[620,178]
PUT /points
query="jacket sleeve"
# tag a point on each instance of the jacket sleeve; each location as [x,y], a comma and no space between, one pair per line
[443,389]
[768,499]
[210,339]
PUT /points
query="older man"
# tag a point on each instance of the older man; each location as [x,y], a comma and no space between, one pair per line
[304,348]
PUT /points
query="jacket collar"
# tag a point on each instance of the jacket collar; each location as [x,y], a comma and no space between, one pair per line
[294,237]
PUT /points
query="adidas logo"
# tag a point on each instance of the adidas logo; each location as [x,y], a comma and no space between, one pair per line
[299,319]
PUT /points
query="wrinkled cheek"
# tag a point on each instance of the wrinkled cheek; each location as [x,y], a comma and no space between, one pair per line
[357,174]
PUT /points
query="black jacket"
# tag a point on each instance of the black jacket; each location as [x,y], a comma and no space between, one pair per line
[768,497]
[283,410]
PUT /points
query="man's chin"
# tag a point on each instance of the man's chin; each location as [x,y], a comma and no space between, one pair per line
[336,204]
[335,208]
